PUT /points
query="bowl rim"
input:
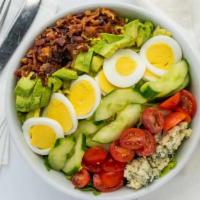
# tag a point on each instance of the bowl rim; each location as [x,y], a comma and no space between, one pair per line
[12,122]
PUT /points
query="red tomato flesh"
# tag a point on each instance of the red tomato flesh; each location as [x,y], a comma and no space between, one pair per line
[121,154]
[153,120]
[173,119]
[92,168]
[94,155]
[188,102]
[149,147]
[111,165]
[81,178]
[103,181]
[132,138]
[172,102]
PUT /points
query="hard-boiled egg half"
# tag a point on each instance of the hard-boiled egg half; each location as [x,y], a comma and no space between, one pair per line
[124,68]
[105,86]
[41,133]
[159,53]
[85,96]
[61,110]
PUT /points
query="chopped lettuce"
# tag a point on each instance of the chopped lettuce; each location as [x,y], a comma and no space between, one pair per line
[161,31]
[169,167]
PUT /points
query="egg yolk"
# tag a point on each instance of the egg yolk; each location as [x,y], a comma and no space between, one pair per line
[150,74]
[104,84]
[42,136]
[58,111]
[83,97]
[161,55]
[125,65]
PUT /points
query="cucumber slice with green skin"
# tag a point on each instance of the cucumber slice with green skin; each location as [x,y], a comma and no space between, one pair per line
[58,155]
[169,82]
[91,143]
[128,117]
[88,127]
[73,164]
[183,85]
[116,101]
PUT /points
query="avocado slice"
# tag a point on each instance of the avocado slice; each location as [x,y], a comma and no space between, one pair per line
[65,74]
[35,103]
[131,29]
[110,38]
[144,33]
[97,63]
[23,103]
[45,98]
[83,61]
[108,49]
[33,113]
[38,89]
[54,83]
[25,86]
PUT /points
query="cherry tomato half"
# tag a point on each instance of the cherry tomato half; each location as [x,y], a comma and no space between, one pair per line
[172,102]
[111,165]
[94,155]
[132,138]
[102,185]
[149,147]
[188,102]
[121,154]
[187,116]
[173,119]
[92,168]
[111,179]
[153,120]
[81,178]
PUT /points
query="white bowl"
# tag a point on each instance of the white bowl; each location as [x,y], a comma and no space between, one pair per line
[58,180]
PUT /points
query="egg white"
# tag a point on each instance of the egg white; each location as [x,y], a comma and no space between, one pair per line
[97,93]
[41,121]
[177,52]
[62,98]
[118,80]
[99,82]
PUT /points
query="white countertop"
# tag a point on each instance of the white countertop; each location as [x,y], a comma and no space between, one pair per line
[19,182]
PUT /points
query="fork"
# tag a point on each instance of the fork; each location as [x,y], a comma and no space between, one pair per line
[4,8]
[5,5]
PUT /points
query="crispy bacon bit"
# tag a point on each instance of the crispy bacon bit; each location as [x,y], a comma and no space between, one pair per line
[58,45]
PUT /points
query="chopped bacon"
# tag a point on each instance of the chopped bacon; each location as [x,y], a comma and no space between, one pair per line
[57,45]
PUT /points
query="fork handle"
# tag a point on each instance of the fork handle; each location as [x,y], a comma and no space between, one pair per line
[16,33]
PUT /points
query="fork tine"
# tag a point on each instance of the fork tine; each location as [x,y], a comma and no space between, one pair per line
[2,5]
[4,11]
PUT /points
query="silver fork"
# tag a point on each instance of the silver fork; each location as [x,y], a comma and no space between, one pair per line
[5,5]
[4,8]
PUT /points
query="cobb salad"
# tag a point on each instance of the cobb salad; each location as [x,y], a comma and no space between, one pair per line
[105,100]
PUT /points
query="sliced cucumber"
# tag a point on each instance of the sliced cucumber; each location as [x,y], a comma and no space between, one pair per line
[58,155]
[169,82]
[88,127]
[116,101]
[73,164]
[183,85]
[91,143]
[128,117]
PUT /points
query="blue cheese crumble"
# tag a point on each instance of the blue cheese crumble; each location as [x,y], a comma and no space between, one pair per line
[142,171]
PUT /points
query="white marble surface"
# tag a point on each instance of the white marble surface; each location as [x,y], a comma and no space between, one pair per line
[19,182]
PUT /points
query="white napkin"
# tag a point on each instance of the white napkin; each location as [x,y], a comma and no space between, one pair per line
[47,9]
